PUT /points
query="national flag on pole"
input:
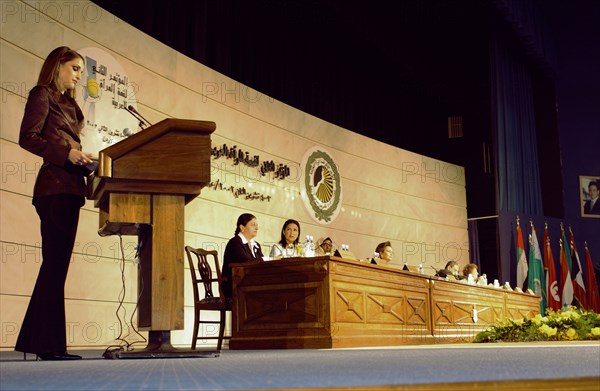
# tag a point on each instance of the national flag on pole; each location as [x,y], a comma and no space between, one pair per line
[566,285]
[521,258]
[577,274]
[535,280]
[567,247]
[593,296]
[552,291]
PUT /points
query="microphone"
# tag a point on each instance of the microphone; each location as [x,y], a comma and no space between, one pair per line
[133,110]
[127,132]
[141,121]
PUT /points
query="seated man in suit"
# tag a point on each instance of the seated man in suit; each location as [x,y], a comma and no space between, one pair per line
[451,271]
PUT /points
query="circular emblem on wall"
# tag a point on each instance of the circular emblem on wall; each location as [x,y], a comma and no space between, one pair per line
[322,187]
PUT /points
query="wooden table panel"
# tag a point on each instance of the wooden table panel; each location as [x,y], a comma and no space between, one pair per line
[330,302]
[521,305]
[281,305]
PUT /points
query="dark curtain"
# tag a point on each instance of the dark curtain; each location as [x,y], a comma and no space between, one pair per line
[513,121]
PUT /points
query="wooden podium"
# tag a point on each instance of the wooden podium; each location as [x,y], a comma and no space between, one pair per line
[141,187]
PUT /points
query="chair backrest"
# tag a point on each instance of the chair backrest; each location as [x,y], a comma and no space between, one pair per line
[202,271]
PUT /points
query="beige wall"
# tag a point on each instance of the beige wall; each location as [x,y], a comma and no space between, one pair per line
[417,203]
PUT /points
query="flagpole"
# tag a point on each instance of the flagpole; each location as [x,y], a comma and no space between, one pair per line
[565,277]
[593,294]
[579,288]
[553,294]
[535,278]
[521,257]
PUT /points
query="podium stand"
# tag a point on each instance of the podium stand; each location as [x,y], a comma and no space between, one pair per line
[141,187]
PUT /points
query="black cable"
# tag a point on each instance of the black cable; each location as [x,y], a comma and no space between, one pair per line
[113,348]
[127,346]
[141,280]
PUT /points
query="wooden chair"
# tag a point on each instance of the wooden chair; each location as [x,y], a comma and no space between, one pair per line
[205,275]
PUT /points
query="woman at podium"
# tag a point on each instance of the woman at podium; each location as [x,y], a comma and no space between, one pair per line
[51,129]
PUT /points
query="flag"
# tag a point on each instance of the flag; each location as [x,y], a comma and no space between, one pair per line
[577,274]
[566,242]
[535,280]
[566,284]
[593,296]
[552,294]
[521,258]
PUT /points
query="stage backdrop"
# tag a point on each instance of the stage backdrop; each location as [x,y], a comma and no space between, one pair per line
[269,159]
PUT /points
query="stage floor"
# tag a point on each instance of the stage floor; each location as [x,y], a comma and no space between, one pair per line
[564,365]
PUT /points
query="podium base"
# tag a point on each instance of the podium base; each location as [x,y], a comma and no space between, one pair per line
[159,346]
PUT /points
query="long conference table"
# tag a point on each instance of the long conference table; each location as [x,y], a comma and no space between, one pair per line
[330,302]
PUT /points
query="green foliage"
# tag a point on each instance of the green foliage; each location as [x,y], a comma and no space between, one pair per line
[563,325]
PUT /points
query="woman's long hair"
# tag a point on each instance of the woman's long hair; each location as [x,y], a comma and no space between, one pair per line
[283,242]
[49,74]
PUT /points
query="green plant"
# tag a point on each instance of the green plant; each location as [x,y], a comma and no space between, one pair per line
[563,325]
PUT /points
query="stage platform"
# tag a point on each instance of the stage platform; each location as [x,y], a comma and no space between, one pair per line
[565,365]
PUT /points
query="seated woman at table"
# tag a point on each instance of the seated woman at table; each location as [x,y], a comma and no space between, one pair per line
[385,253]
[241,248]
[450,271]
[324,247]
[288,244]
[471,269]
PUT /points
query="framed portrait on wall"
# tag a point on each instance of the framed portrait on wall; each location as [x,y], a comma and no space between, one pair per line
[590,193]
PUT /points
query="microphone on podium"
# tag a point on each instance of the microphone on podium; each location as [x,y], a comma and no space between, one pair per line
[127,132]
[134,111]
[142,123]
